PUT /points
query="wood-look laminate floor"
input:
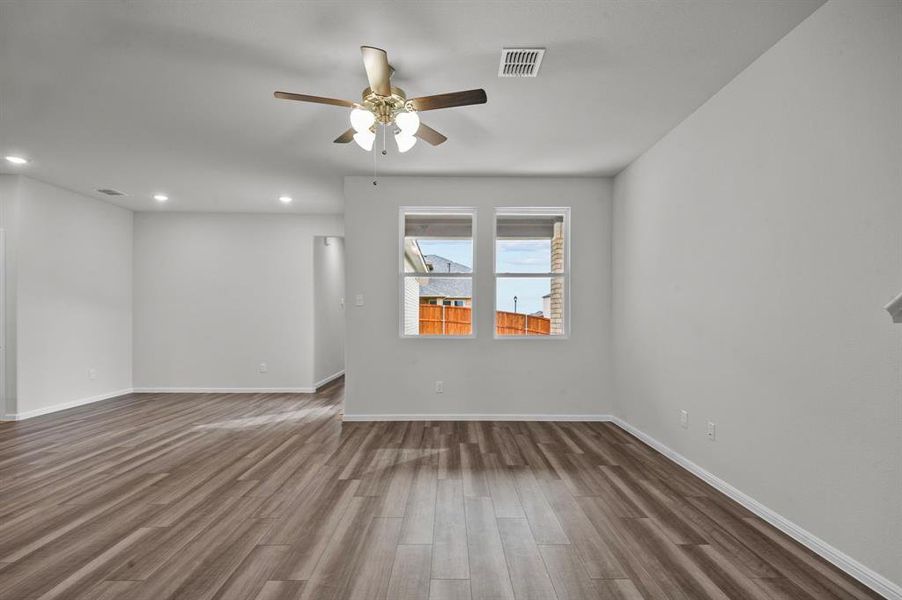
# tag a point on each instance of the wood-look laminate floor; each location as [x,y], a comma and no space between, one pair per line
[271,497]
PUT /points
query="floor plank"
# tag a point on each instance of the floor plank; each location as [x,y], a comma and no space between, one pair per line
[280,590]
[489,577]
[419,517]
[450,589]
[410,573]
[450,559]
[528,575]
[570,580]
[269,496]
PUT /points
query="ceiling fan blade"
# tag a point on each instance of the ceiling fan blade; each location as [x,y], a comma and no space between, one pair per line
[346,137]
[449,100]
[378,71]
[428,134]
[316,99]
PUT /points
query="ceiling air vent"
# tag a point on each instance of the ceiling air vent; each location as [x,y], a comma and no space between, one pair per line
[520,62]
[110,192]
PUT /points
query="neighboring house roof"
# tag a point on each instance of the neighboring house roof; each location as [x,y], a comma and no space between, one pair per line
[440,264]
[442,287]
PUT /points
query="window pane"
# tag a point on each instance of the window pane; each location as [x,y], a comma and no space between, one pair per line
[529,244]
[438,305]
[523,256]
[530,306]
[438,243]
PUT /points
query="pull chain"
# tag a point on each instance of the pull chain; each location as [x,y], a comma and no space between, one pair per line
[374,165]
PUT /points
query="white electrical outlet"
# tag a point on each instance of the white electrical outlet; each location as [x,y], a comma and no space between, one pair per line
[684,419]
[358,300]
[261,368]
[439,387]
[92,374]
[711,431]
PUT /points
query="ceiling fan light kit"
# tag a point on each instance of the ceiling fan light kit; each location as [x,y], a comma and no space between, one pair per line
[361,119]
[365,139]
[384,105]
[405,142]
[408,122]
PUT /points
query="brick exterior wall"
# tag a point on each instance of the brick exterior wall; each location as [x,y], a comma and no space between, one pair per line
[557,285]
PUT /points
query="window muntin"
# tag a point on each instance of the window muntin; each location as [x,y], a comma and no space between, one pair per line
[437,262]
[531,272]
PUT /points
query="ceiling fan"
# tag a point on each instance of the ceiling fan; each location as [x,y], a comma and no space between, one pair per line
[382,104]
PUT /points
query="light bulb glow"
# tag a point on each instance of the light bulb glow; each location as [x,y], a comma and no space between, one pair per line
[362,120]
[408,122]
[160,197]
[16,160]
[365,139]
[285,199]
[405,142]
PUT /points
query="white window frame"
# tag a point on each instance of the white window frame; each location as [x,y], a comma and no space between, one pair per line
[403,211]
[528,211]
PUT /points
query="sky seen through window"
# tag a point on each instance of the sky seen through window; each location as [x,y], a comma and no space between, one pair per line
[512,256]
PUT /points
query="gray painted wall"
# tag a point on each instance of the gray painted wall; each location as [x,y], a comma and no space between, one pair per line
[69,296]
[387,374]
[218,294]
[754,248]
[329,312]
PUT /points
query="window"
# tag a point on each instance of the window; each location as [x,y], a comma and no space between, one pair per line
[532,272]
[436,291]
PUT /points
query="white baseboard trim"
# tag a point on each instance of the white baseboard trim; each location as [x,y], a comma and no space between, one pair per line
[63,406]
[331,377]
[473,417]
[868,577]
[211,390]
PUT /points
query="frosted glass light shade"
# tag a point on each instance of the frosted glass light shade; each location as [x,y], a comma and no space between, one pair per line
[365,139]
[408,122]
[405,142]
[362,120]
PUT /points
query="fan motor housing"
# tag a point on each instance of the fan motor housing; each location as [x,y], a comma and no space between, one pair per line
[385,107]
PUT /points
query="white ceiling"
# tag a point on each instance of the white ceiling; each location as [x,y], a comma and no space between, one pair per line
[177,97]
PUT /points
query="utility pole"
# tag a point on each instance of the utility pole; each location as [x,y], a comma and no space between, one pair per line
[515,304]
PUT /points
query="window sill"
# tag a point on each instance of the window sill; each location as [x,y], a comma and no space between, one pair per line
[438,337]
[532,337]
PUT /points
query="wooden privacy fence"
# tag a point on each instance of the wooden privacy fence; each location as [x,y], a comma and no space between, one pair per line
[436,319]
[508,323]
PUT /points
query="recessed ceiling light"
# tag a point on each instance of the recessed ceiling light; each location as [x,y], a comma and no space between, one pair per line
[160,197]
[17,160]
[285,199]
